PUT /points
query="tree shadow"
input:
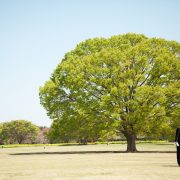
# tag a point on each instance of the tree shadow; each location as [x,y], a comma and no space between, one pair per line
[86,152]
[170,166]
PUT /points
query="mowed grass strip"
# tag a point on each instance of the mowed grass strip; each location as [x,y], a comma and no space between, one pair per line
[89,165]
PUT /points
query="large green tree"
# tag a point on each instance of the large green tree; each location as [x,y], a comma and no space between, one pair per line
[18,131]
[127,84]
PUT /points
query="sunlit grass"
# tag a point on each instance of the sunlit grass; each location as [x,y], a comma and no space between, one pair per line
[51,162]
[75,144]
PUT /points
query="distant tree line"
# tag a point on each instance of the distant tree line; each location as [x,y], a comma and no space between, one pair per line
[22,132]
[83,136]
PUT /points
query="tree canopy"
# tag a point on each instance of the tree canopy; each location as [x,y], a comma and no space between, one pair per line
[18,131]
[128,84]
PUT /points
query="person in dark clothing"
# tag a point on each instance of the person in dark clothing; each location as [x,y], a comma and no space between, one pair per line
[177,141]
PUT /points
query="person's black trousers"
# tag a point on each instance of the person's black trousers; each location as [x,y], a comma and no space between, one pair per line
[177,140]
[178,155]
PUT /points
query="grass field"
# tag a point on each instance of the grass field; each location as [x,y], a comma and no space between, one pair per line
[89,162]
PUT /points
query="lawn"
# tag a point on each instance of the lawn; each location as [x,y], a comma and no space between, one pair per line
[89,162]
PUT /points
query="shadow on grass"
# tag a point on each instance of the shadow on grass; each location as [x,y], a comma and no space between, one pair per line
[86,152]
[171,166]
[163,144]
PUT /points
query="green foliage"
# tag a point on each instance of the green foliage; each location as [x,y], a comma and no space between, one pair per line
[1,127]
[125,84]
[18,131]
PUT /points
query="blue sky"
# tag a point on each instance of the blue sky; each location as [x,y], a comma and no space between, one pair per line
[35,35]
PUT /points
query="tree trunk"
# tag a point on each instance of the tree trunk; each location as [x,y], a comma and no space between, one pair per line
[131,143]
[20,141]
